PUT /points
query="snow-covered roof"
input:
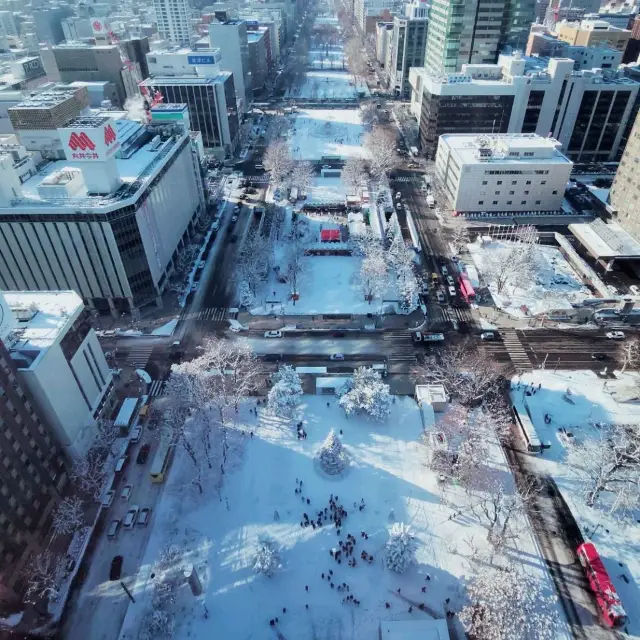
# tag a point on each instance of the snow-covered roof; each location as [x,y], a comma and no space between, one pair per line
[414,630]
[431,393]
[606,240]
[331,382]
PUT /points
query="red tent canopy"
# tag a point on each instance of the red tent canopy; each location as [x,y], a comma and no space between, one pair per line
[330,235]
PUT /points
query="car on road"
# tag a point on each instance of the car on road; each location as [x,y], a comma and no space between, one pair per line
[452,292]
[424,288]
[112,531]
[194,286]
[107,498]
[143,454]
[337,356]
[233,239]
[126,492]
[440,296]
[444,271]
[144,517]
[450,281]
[116,568]
[234,219]
[398,195]
[201,265]
[121,464]
[615,335]
[634,289]
[273,334]
[599,356]
[260,167]
[131,517]
[136,434]
[488,335]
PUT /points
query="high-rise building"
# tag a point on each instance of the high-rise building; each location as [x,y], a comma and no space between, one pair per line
[76,29]
[77,61]
[408,42]
[591,33]
[48,23]
[258,59]
[33,469]
[173,18]
[475,31]
[369,12]
[231,38]
[589,112]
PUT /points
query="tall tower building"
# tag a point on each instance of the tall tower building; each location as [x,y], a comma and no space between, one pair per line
[475,31]
[173,20]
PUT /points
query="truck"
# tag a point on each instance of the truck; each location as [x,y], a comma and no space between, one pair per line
[431,202]
[418,336]
[293,194]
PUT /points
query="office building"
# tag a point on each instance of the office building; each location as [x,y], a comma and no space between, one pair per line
[76,29]
[34,470]
[589,112]
[230,37]
[212,107]
[255,27]
[108,221]
[384,32]
[407,46]
[475,32]
[48,23]
[78,61]
[8,24]
[61,363]
[258,59]
[369,12]
[591,33]
[136,50]
[512,172]
[174,21]
[544,44]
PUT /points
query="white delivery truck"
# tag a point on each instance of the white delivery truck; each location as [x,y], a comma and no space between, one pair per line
[431,202]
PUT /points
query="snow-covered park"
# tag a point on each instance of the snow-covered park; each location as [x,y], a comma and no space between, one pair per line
[326,535]
[330,85]
[326,58]
[527,279]
[327,132]
[592,420]
[326,191]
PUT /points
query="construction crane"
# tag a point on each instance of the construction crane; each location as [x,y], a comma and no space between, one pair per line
[130,66]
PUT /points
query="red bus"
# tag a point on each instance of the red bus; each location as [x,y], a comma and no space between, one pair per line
[466,289]
[608,600]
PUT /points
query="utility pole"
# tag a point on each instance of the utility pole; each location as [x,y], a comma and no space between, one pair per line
[124,586]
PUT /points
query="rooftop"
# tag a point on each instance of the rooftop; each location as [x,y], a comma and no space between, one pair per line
[606,240]
[40,317]
[185,80]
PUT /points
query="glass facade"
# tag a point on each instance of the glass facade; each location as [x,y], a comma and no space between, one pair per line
[532,114]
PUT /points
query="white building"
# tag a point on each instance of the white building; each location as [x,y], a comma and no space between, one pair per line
[368,12]
[108,221]
[513,172]
[173,18]
[60,361]
[183,61]
[384,31]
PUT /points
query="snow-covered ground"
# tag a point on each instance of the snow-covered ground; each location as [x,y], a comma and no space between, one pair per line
[327,132]
[326,59]
[576,401]
[330,85]
[550,284]
[326,190]
[218,532]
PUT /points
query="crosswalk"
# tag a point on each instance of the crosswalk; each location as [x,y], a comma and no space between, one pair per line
[157,388]
[518,355]
[407,179]
[214,314]
[138,356]
[399,346]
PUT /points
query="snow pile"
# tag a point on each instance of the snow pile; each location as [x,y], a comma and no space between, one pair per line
[366,393]
[285,394]
[332,457]
[400,549]
[527,280]
[267,560]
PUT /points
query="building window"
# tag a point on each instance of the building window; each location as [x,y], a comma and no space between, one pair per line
[497,193]
[523,202]
[484,182]
[537,201]
[499,182]
[514,182]
[495,202]
[509,201]
[480,201]
[526,193]
[511,193]
[555,193]
[543,182]
[528,154]
[528,182]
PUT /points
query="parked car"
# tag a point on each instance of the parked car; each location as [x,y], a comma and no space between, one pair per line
[113,529]
[136,434]
[126,492]
[452,292]
[273,334]
[121,464]
[131,517]
[615,335]
[143,454]
[107,498]
[337,356]
[488,335]
[634,289]
[116,568]
[234,219]
[260,166]
[145,515]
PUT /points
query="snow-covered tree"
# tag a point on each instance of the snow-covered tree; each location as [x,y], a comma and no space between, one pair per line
[367,393]
[509,603]
[68,516]
[401,258]
[373,277]
[89,474]
[369,114]
[294,257]
[332,457]
[630,353]
[510,267]
[267,560]
[105,434]
[286,393]
[302,175]
[608,464]
[156,625]
[277,161]
[400,549]
[253,265]
[381,147]
[353,175]
[41,576]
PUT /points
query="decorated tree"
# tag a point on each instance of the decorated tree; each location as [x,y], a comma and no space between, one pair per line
[285,394]
[366,393]
[332,456]
[400,548]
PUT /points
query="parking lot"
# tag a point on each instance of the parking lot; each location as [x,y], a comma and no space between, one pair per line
[97,609]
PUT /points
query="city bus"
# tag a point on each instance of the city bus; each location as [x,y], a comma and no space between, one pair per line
[606,596]
[466,289]
[528,430]
[161,460]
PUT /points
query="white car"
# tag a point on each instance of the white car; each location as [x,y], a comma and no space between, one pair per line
[107,498]
[450,281]
[444,271]
[440,296]
[126,492]
[615,335]
[136,434]
[131,517]
[488,335]
[452,292]
[337,356]
[273,334]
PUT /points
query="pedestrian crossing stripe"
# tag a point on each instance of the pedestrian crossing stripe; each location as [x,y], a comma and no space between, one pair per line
[214,314]
[157,388]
